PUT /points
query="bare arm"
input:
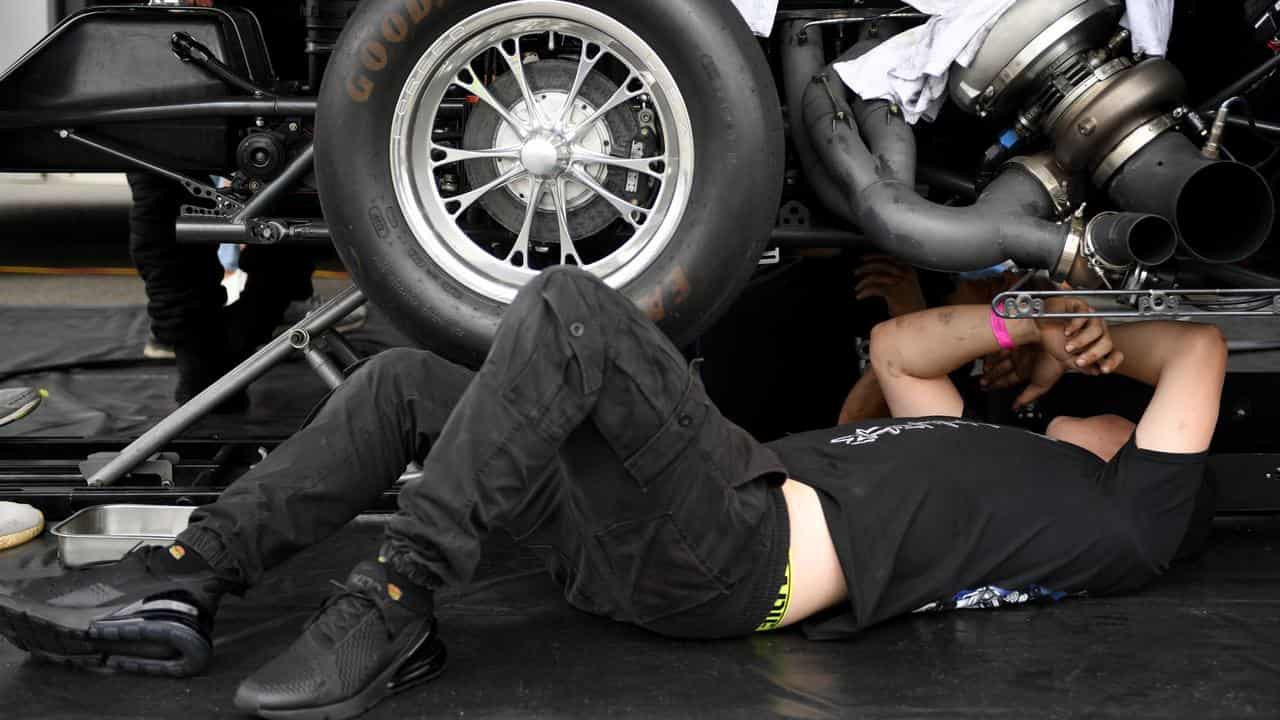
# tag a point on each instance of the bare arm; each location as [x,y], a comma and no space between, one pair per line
[865,400]
[1187,364]
[913,354]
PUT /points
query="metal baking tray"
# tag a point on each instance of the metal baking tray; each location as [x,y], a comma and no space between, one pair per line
[108,532]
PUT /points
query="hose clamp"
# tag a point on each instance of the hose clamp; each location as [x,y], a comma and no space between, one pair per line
[1051,177]
[1090,249]
[1071,249]
[1131,145]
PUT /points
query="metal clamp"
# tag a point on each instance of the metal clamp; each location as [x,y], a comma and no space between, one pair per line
[1130,146]
[1035,49]
[1071,250]
[1052,178]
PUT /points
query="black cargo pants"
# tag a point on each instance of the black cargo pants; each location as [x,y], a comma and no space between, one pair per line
[585,435]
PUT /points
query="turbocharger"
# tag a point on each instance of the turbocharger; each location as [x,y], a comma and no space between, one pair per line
[1061,70]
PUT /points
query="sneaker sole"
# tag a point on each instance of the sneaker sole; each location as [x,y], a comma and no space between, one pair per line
[21,537]
[79,639]
[392,681]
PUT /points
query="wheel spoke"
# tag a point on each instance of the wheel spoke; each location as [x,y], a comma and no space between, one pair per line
[624,208]
[585,66]
[536,187]
[620,96]
[467,199]
[475,88]
[453,155]
[567,248]
[516,63]
[641,165]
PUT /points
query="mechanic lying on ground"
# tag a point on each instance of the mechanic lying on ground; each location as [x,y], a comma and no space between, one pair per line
[586,434]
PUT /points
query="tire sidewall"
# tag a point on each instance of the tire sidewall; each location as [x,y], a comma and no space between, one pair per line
[738,173]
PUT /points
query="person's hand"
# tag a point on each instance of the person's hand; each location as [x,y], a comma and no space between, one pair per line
[1009,368]
[1029,365]
[886,277]
[1043,373]
[1081,344]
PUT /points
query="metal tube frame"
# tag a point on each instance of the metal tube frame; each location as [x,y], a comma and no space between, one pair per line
[217,107]
[155,439]
[300,166]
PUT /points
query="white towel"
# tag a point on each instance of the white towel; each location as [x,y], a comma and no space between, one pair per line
[910,68]
[759,14]
[1150,22]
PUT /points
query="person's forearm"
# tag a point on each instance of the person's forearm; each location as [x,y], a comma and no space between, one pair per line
[933,343]
[1150,347]
[865,401]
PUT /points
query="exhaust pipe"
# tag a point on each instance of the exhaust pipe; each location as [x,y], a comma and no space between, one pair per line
[1006,223]
[1223,211]
[871,183]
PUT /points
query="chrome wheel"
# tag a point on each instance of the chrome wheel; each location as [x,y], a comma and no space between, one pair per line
[576,148]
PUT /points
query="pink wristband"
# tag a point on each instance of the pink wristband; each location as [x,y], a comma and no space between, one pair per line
[1001,331]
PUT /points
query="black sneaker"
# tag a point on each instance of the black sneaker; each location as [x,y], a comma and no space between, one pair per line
[374,638]
[150,613]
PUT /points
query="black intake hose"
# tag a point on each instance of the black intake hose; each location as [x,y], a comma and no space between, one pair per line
[1122,239]
[1223,210]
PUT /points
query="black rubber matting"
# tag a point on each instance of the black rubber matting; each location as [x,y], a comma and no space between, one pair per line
[100,385]
[1204,642]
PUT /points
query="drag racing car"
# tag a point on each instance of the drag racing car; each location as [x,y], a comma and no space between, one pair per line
[452,149]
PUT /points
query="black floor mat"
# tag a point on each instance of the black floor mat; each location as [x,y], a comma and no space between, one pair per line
[100,386]
[1204,642]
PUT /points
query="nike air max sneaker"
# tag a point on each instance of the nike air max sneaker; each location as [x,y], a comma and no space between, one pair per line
[374,638]
[150,613]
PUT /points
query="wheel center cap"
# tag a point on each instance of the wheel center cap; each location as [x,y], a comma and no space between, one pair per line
[540,157]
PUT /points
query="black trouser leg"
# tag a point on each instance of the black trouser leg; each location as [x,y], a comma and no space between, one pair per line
[184,282]
[358,443]
[277,277]
[655,510]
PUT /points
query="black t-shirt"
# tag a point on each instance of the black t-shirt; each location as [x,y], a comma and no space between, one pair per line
[940,513]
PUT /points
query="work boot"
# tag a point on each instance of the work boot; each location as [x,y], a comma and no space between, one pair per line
[374,638]
[150,613]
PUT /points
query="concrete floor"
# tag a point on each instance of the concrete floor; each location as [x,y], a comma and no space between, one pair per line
[19,290]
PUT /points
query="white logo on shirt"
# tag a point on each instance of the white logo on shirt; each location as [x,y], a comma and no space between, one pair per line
[869,435]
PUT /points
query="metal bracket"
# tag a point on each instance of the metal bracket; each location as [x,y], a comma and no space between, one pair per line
[225,205]
[160,465]
[1260,303]
[837,115]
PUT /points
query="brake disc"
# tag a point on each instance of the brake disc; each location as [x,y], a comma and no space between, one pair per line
[551,80]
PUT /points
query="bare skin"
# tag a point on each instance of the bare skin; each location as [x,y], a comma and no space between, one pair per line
[913,355]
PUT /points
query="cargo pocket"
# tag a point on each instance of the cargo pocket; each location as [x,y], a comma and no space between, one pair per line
[666,446]
[655,568]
